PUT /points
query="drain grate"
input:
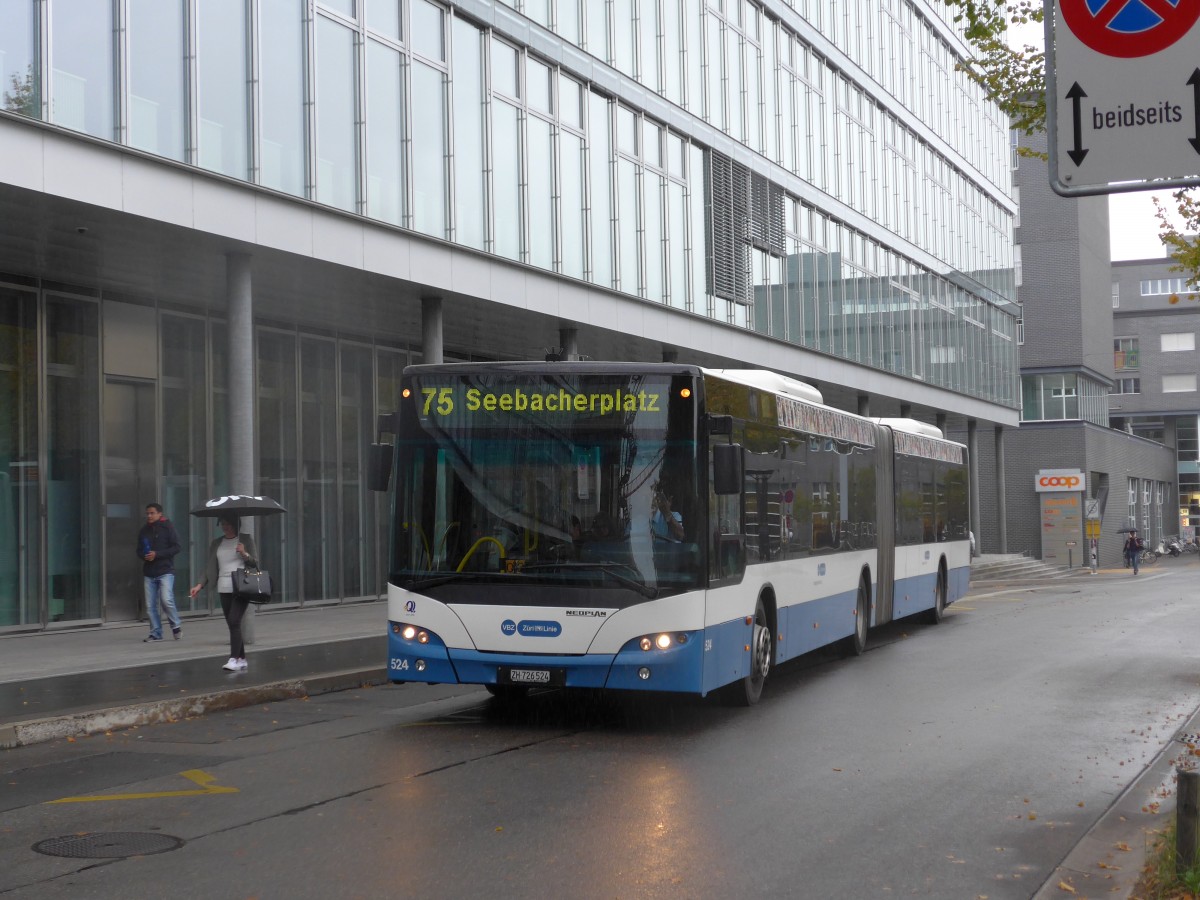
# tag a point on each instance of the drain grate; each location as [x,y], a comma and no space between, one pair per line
[108,845]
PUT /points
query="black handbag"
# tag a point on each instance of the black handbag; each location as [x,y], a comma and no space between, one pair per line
[252,585]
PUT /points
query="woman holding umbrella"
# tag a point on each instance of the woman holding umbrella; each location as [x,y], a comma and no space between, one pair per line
[226,554]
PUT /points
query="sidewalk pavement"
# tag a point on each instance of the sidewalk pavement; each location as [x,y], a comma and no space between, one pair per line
[57,684]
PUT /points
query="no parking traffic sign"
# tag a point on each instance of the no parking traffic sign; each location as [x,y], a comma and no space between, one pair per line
[1123,94]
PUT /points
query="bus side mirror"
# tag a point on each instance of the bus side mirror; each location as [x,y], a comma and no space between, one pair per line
[728,472]
[379,467]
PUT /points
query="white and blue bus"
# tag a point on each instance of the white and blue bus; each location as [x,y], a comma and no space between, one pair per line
[653,527]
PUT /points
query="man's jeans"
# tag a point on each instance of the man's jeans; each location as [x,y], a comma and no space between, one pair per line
[161,587]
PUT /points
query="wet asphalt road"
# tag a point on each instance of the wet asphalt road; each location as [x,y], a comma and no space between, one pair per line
[954,761]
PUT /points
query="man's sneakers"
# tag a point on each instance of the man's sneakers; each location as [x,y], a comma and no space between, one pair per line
[235,665]
[151,637]
[177,633]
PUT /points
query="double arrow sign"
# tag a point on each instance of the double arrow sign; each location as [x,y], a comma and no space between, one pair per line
[1076,94]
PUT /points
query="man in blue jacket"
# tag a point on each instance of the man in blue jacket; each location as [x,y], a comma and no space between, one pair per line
[158,544]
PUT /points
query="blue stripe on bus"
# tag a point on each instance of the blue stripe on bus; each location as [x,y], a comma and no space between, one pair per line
[913,594]
[958,583]
[815,623]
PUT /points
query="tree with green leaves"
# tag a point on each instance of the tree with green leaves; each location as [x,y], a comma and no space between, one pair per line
[22,96]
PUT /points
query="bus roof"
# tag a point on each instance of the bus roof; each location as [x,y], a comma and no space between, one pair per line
[773,382]
[912,426]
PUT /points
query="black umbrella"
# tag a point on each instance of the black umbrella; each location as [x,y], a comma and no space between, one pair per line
[1126,531]
[239,505]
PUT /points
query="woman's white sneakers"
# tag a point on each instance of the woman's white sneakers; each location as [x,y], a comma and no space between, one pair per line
[234,665]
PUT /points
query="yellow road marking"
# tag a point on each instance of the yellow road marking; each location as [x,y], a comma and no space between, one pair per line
[196,776]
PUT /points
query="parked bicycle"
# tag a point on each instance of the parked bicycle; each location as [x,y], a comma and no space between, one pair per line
[1148,557]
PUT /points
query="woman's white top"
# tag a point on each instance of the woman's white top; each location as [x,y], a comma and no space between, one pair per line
[227,562]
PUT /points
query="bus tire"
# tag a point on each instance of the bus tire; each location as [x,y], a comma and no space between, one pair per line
[856,644]
[748,690]
[934,615]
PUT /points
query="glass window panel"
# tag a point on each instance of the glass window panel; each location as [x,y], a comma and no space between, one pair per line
[157,97]
[336,133]
[318,468]
[469,187]
[571,180]
[506,180]
[648,23]
[504,69]
[652,199]
[221,72]
[428,30]
[281,85]
[538,86]
[627,225]
[275,369]
[72,455]
[385,133]
[694,62]
[651,144]
[429,150]
[383,17]
[676,153]
[672,87]
[568,20]
[570,101]
[600,165]
[541,193]
[184,392]
[624,34]
[20,526]
[356,431]
[539,11]
[81,57]
[627,131]
[677,287]
[716,88]
[18,58]
[345,7]
[698,223]
[597,30]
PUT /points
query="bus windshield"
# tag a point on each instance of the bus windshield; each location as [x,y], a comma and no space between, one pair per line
[513,486]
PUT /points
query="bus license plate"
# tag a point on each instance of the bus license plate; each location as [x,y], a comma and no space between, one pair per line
[555,677]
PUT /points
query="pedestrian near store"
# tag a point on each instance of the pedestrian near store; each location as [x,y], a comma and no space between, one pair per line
[158,545]
[226,554]
[1133,550]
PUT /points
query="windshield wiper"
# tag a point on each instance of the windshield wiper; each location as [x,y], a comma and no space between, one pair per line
[609,569]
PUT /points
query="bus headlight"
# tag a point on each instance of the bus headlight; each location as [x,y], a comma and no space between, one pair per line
[412,633]
[661,641]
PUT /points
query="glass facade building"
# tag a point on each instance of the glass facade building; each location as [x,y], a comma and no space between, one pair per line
[818,173]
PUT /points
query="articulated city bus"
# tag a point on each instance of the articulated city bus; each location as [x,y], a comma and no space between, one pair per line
[653,527]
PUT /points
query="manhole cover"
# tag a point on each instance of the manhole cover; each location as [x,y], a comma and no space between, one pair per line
[108,845]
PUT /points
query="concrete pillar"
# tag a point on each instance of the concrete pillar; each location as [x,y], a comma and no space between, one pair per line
[864,404]
[1001,507]
[973,482]
[568,338]
[242,476]
[905,410]
[431,330]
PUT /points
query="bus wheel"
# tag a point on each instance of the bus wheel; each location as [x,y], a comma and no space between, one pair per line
[762,651]
[939,599]
[856,644]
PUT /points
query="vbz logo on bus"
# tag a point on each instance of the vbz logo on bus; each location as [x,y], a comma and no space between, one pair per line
[410,607]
